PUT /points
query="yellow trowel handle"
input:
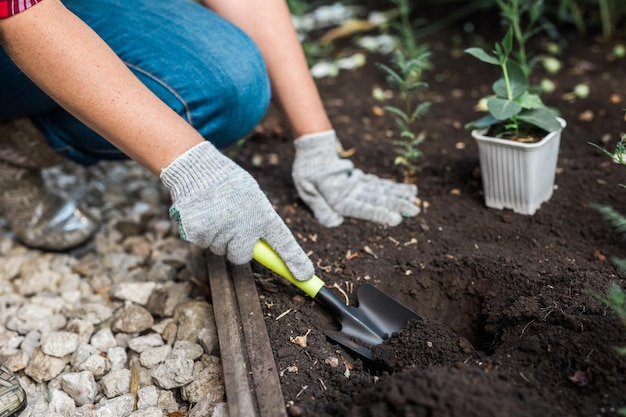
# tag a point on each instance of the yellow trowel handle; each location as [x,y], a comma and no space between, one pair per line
[265,255]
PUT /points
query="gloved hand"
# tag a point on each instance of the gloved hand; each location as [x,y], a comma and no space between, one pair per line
[219,206]
[333,188]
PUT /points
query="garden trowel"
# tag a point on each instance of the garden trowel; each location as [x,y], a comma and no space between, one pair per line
[376,317]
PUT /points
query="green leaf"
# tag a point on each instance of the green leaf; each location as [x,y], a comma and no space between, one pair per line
[421,110]
[410,87]
[507,41]
[529,101]
[397,112]
[393,77]
[518,82]
[542,117]
[621,350]
[503,109]
[402,125]
[482,123]
[482,55]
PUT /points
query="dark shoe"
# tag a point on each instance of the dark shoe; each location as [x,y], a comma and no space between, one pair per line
[37,217]
[12,395]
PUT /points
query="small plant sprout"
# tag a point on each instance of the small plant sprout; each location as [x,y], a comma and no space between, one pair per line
[615,297]
[405,28]
[513,111]
[619,155]
[405,76]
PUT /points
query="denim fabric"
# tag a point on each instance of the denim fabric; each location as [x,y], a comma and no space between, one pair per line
[202,66]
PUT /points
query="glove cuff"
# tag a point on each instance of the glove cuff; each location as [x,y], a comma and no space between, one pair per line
[321,144]
[197,169]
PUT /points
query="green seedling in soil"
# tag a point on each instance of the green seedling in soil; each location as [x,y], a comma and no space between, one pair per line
[513,112]
[406,28]
[405,76]
[615,297]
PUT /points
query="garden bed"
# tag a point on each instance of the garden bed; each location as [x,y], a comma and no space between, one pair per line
[510,326]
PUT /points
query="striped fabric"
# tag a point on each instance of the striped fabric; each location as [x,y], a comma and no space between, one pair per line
[10,8]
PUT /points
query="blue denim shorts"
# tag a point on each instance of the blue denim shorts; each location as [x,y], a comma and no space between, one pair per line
[202,66]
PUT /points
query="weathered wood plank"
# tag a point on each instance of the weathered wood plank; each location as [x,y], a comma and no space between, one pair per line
[239,394]
[262,365]
[250,374]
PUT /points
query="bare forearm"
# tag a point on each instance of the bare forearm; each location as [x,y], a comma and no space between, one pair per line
[70,62]
[268,23]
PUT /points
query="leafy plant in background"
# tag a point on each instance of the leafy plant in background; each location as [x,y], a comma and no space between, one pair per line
[615,297]
[608,15]
[297,7]
[314,50]
[405,76]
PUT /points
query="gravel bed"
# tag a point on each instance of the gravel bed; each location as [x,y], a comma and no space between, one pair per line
[120,327]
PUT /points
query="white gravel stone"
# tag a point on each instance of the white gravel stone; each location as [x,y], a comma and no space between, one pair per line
[132,318]
[61,403]
[161,272]
[147,397]
[82,328]
[96,364]
[183,349]
[31,342]
[83,352]
[72,296]
[116,383]
[93,313]
[117,357]
[173,373]
[121,406]
[59,344]
[37,282]
[103,339]
[81,386]
[142,343]
[36,317]
[191,318]
[137,292]
[43,368]
[208,383]
[154,356]
[167,401]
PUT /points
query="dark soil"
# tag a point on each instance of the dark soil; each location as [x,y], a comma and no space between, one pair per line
[510,326]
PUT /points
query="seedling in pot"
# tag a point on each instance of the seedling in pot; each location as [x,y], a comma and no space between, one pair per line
[513,111]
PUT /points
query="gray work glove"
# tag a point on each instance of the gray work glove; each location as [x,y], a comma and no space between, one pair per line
[219,206]
[333,188]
